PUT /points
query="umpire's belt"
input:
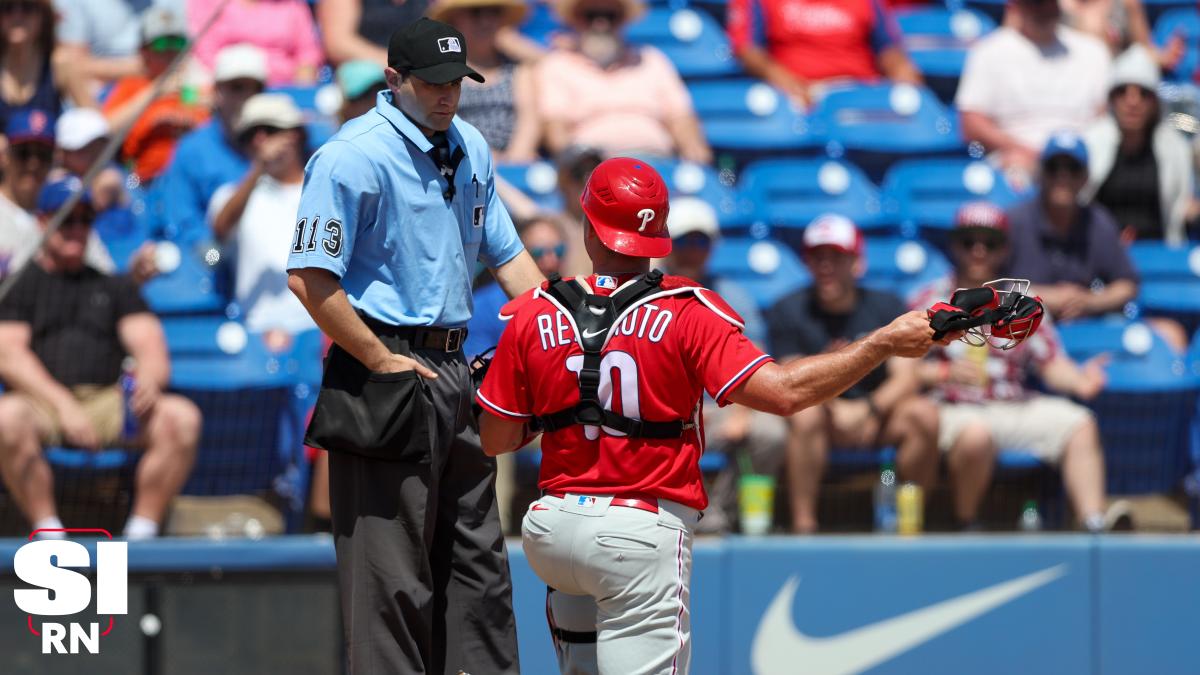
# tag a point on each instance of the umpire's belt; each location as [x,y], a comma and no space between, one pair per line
[420,337]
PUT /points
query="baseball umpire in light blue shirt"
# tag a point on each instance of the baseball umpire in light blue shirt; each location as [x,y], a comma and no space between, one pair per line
[396,209]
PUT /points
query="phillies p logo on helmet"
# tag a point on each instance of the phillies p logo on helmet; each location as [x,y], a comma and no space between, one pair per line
[646,215]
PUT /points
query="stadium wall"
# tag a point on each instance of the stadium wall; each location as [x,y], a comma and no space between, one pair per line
[1004,604]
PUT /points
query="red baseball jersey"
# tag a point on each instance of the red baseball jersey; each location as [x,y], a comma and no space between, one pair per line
[658,361]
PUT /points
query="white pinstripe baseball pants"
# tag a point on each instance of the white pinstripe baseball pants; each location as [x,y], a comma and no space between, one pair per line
[620,573]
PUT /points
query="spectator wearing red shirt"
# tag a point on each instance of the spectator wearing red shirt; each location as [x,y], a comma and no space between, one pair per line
[795,44]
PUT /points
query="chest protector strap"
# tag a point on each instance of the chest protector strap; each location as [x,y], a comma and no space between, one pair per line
[595,316]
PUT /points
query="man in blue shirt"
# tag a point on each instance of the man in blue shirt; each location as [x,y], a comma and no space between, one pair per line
[208,157]
[396,208]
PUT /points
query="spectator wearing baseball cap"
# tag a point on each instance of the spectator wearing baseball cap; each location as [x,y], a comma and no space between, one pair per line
[1140,166]
[984,399]
[358,81]
[1071,251]
[29,156]
[82,134]
[734,430]
[504,108]
[211,155]
[157,123]
[282,29]
[594,88]
[883,408]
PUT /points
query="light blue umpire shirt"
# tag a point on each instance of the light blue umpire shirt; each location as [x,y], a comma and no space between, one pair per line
[373,213]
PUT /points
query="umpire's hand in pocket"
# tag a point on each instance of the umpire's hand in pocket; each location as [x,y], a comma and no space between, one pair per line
[395,363]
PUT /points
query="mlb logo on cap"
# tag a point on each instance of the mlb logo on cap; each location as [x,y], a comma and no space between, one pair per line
[449,44]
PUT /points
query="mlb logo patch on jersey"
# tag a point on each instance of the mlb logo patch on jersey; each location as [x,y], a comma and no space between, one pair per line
[586,502]
[449,44]
[606,282]
[477,217]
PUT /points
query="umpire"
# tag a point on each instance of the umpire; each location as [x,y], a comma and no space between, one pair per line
[396,209]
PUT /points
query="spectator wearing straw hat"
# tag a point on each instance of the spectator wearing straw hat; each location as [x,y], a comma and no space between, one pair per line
[210,156]
[258,214]
[158,118]
[883,408]
[598,90]
[504,107]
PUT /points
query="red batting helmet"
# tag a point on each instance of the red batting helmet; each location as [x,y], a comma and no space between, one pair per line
[626,201]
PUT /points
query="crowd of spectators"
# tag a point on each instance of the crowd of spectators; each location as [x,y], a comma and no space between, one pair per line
[1063,97]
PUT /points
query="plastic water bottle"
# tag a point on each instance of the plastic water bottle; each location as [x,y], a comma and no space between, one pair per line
[885,499]
[1031,520]
[130,429]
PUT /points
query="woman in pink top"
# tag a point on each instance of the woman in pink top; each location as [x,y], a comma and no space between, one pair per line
[283,29]
[599,91]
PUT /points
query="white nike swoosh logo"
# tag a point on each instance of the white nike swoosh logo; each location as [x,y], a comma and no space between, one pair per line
[780,648]
[587,335]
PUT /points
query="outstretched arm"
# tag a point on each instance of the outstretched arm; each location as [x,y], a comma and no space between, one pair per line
[788,388]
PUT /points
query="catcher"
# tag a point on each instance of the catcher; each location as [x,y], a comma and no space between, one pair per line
[611,368]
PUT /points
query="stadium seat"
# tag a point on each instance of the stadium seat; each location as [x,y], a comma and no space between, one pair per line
[767,269]
[688,179]
[879,124]
[937,40]
[1184,21]
[1158,261]
[1145,409]
[541,23]
[194,287]
[791,193]
[923,195]
[694,41]
[538,180]
[1170,281]
[747,116]
[1157,9]
[992,9]
[902,266]
[122,233]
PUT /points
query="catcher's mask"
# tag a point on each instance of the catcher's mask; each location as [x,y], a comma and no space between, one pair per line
[998,313]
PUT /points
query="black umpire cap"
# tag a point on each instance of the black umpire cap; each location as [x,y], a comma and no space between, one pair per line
[431,51]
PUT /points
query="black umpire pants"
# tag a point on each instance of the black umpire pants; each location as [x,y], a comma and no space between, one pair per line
[422,565]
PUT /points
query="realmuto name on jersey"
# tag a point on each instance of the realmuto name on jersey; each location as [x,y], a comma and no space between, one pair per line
[646,322]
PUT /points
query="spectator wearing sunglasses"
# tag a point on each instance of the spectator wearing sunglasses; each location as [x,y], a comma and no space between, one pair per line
[596,89]
[282,29]
[210,156]
[986,401]
[503,107]
[734,430]
[1140,167]
[543,237]
[99,39]
[28,156]
[157,122]
[256,218]
[1069,249]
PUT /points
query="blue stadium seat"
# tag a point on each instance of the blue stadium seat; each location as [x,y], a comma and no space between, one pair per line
[745,115]
[122,234]
[1185,22]
[790,193]
[1157,9]
[688,179]
[195,287]
[924,194]
[902,266]
[1170,281]
[1145,409]
[880,124]
[538,180]
[541,23]
[993,9]
[694,41]
[937,41]
[1158,261]
[204,335]
[767,269]
[253,366]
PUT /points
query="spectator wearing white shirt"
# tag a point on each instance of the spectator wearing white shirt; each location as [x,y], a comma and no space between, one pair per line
[258,214]
[1029,79]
